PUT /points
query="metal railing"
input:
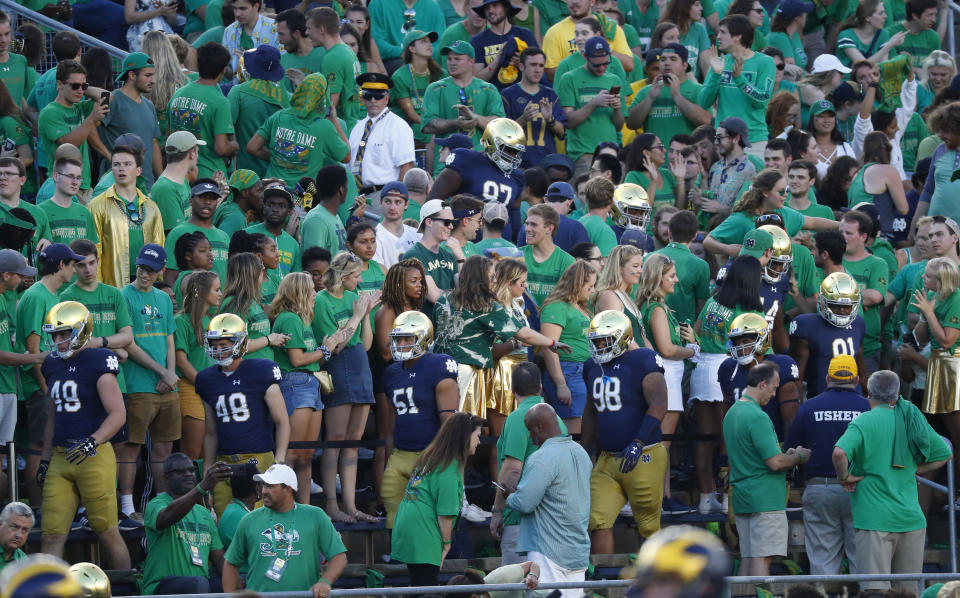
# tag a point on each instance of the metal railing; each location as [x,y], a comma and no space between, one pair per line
[951,34]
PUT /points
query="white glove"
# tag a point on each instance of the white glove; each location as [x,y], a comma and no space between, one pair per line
[696,351]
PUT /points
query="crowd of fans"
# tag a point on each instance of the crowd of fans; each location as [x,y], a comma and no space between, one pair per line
[587,229]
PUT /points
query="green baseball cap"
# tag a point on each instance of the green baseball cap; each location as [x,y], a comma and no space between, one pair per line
[134,61]
[243,179]
[460,47]
[416,34]
[7,217]
[822,106]
[756,243]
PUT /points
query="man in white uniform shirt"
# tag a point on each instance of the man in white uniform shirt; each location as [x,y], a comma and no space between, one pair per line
[381,145]
[393,236]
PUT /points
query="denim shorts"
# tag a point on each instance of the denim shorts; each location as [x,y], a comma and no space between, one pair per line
[301,390]
[352,381]
[573,375]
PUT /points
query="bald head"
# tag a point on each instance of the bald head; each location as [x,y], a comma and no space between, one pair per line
[541,421]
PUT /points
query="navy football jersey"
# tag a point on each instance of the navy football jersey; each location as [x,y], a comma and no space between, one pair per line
[73,388]
[244,424]
[772,295]
[482,178]
[733,381]
[825,341]
[616,388]
[819,424]
[411,391]
[540,142]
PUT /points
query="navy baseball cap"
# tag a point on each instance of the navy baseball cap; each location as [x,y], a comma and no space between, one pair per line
[638,239]
[455,141]
[791,9]
[596,46]
[204,186]
[561,190]
[395,187]
[58,252]
[152,256]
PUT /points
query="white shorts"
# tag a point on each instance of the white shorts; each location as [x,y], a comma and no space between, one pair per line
[703,382]
[552,572]
[8,416]
[763,534]
[673,372]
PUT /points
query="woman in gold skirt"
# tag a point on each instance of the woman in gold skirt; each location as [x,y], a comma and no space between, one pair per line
[509,282]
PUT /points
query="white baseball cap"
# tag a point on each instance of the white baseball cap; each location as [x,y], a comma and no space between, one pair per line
[432,207]
[828,62]
[278,474]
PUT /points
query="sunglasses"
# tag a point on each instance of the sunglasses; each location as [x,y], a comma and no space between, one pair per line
[781,66]
[463,96]
[720,138]
[133,212]
[373,95]
[445,221]
[76,86]
[600,65]
[352,257]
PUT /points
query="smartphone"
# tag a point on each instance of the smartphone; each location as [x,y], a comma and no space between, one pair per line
[237,470]
[104,97]
[499,487]
[615,90]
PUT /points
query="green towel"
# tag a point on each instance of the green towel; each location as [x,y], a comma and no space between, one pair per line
[909,434]
[893,73]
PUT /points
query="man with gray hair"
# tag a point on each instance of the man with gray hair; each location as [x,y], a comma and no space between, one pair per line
[889,527]
[418,185]
[16,520]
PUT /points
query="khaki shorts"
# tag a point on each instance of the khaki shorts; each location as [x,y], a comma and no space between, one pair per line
[160,413]
[762,534]
[190,403]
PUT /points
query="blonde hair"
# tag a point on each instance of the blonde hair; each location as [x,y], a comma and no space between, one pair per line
[611,277]
[938,58]
[951,589]
[571,282]
[505,273]
[170,76]
[342,265]
[651,279]
[295,294]
[947,275]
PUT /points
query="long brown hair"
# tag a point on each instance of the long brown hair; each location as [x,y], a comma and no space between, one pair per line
[452,443]
[7,107]
[752,199]
[678,12]
[571,282]
[243,283]
[194,304]
[473,289]
[777,111]
[394,287]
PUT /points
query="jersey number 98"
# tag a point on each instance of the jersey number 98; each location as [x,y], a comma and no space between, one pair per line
[65,396]
[233,408]
[606,394]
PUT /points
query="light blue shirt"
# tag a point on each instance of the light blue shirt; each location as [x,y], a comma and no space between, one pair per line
[554,497]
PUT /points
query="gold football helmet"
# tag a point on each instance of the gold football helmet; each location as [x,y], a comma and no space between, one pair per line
[683,554]
[38,576]
[610,334]
[748,325]
[69,315]
[230,327]
[631,208]
[92,579]
[781,254]
[839,299]
[410,325]
[504,142]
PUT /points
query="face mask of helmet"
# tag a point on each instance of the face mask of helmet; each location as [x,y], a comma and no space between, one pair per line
[74,344]
[507,157]
[405,346]
[772,274]
[830,311]
[631,217]
[744,353]
[225,356]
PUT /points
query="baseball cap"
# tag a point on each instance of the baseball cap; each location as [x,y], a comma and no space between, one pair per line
[131,140]
[182,141]
[844,93]
[134,61]
[430,208]
[243,179]
[557,161]
[455,141]
[276,190]
[652,56]
[596,46]
[737,126]
[278,473]
[560,189]
[415,35]
[843,367]
[204,186]
[58,252]
[756,243]
[638,238]
[67,151]
[395,187]
[678,49]
[152,256]
[828,62]
[494,210]
[459,47]
[13,261]
[9,218]
[791,9]
[821,106]
[263,63]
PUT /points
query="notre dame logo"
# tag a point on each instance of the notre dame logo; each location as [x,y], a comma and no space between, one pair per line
[645,458]
[749,243]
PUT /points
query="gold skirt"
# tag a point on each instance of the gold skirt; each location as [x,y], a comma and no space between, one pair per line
[501,387]
[474,384]
[942,393]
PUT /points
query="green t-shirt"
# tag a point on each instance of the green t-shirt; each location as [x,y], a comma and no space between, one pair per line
[219,243]
[287,246]
[229,522]
[751,440]
[453,33]
[870,273]
[18,555]
[299,146]
[814,210]
[441,266]
[600,233]
[515,442]
[886,498]
[574,325]
[736,226]
[301,337]
[918,46]
[575,89]
[484,244]
[576,60]
[151,327]
[542,276]
[251,104]
[229,217]
[948,314]
[8,314]
[258,326]
[185,339]
[69,223]
[407,85]
[745,96]
[311,63]
[305,533]
[715,320]
[173,199]
[57,120]
[109,311]
[665,119]
[693,282]
[468,336]
[792,47]
[330,313]
[32,308]
[320,228]
[18,76]
[341,68]
[416,531]
[848,38]
[205,112]
[696,40]
[372,278]
[269,286]
[14,133]
[646,312]
[170,548]
[915,131]
[804,270]
[441,97]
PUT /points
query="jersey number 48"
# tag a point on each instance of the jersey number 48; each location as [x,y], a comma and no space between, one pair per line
[233,408]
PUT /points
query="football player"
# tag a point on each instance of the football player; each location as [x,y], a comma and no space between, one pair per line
[422,387]
[78,464]
[836,329]
[240,398]
[631,210]
[629,399]
[681,561]
[749,344]
[776,284]
[492,175]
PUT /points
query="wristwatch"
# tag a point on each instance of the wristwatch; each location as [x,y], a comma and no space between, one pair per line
[104,342]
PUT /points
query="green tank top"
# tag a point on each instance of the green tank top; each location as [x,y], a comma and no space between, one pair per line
[646,310]
[858,191]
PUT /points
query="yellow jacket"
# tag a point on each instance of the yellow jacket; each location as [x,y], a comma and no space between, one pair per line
[113,227]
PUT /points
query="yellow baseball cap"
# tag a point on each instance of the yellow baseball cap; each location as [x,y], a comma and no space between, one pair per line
[843,368]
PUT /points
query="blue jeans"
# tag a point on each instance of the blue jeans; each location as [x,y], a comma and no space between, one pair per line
[174,585]
[103,20]
[573,376]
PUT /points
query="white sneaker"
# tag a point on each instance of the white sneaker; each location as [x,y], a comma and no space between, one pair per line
[626,511]
[724,506]
[709,504]
[474,514]
[315,488]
